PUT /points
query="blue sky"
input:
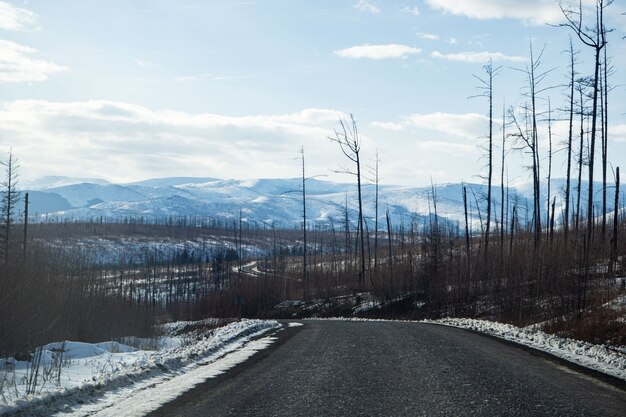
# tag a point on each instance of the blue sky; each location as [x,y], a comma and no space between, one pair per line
[127,90]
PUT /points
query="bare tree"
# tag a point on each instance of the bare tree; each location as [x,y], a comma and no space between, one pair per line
[606,71]
[615,227]
[305,275]
[570,137]
[487,87]
[389,246]
[502,169]
[581,149]
[376,178]
[595,38]
[527,142]
[529,137]
[25,237]
[347,136]
[10,199]
[467,233]
[550,217]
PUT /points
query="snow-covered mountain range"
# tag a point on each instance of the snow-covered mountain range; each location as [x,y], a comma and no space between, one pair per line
[270,201]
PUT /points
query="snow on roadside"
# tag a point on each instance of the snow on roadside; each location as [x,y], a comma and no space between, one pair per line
[597,357]
[150,394]
[98,376]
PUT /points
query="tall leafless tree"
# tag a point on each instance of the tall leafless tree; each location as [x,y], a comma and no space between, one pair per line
[347,136]
[529,136]
[10,200]
[376,180]
[549,179]
[593,36]
[581,149]
[570,138]
[613,257]
[606,72]
[502,169]
[486,85]
[305,271]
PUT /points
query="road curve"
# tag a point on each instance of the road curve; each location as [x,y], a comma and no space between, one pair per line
[340,368]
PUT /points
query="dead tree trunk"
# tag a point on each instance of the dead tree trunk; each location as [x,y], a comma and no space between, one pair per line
[595,38]
[467,234]
[570,137]
[549,185]
[581,153]
[502,220]
[487,87]
[347,136]
[605,137]
[376,219]
[615,227]
[10,199]
[305,275]
[389,248]
[25,240]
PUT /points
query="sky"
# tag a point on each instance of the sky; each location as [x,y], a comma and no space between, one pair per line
[129,90]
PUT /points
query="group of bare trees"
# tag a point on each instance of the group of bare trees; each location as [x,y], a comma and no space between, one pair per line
[546,265]
[46,294]
[588,253]
[569,247]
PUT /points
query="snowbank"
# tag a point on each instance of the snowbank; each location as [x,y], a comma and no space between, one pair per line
[597,357]
[103,374]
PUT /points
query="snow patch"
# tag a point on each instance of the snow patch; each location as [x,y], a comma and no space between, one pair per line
[99,376]
[598,357]
[151,395]
[611,361]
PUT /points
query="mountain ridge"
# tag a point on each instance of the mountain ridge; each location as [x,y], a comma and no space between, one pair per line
[275,201]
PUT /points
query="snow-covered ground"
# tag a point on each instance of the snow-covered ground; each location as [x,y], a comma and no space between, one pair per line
[114,379]
[116,251]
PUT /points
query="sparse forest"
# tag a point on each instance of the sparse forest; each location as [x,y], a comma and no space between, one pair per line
[558,260]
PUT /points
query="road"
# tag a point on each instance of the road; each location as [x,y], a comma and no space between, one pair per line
[337,368]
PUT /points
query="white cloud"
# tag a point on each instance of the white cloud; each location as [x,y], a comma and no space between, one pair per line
[411,10]
[535,12]
[366,6]
[618,133]
[98,138]
[452,40]
[477,57]
[146,64]
[464,125]
[428,36]
[17,66]
[447,149]
[378,51]
[15,18]
[389,126]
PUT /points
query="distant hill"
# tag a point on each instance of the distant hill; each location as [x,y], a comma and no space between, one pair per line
[41,203]
[51,181]
[271,201]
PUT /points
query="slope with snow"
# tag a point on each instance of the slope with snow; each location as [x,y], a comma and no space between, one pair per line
[274,201]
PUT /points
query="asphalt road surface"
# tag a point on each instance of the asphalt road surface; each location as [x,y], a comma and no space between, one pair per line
[338,368]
